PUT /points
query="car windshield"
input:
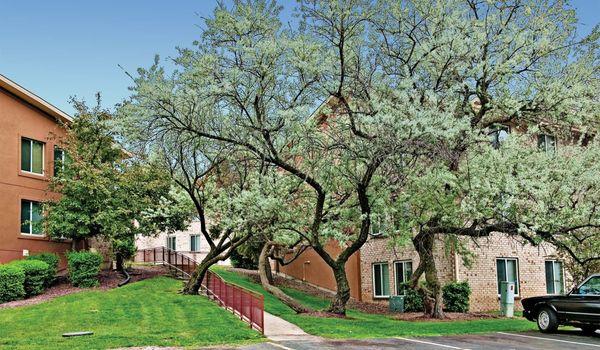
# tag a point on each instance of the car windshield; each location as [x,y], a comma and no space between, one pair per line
[591,287]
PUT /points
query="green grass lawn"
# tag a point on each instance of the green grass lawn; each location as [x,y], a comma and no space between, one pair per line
[149,312]
[363,325]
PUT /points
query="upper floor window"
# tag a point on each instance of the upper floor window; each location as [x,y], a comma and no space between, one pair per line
[507,270]
[31,217]
[195,243]
[59,160]
[555,281]
[498,134]
[403,274]
[381,280]
[32,156]
[172,243]
[547,143]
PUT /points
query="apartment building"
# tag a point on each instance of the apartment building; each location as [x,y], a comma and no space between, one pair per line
[28,150]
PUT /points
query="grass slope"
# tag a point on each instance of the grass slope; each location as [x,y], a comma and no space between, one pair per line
[149,312]
[363,325]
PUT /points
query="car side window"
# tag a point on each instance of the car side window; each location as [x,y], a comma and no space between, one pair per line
[591,287]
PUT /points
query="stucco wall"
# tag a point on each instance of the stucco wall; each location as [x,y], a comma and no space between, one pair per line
[19,119]
[310,267]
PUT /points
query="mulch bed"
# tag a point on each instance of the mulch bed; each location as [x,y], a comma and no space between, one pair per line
[108,280]
[370,308]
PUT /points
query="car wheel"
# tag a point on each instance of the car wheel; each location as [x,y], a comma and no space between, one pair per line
[589,330]
[546,320]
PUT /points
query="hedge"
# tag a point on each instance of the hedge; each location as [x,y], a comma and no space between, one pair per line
[413,299]
[52,260]
[84,268]
[456,296]
[12,279]
[36,273]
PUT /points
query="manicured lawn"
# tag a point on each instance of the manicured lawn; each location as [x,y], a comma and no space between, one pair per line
[362,325]
[149,312]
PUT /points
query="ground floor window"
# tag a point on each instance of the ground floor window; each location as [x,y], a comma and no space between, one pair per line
[171,243]
[31,217]
[507,270]
[381,280]
[555,282]
[403,273]
[195,243]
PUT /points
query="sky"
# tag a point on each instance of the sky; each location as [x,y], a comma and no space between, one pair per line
[71,48]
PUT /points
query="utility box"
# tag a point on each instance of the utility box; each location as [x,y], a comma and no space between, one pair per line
[397,303]
[507,299]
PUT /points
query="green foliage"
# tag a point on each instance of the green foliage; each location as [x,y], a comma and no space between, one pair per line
[243,262]
[12,281]
[456,296]
[413,299]
[36,275]
[84,268]
[52,260]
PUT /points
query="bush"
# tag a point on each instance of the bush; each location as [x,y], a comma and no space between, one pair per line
[52,260]
[36,272]
[456,296]
[12,280]
[84,268]
[413,299]
[242,262]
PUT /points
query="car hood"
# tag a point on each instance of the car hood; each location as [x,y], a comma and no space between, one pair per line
[529,302]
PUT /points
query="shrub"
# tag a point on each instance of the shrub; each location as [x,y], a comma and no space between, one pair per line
[456,296]
[12,280]
[36,272]
[242,262]
[84,268]
[52,260]
[413,299]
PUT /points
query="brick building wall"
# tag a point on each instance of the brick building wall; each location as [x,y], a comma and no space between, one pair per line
[379,250]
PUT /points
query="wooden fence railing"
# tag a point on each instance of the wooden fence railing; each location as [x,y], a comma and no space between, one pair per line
[246,304]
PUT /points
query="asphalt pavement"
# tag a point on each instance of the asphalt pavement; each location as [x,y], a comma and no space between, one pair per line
[566,339]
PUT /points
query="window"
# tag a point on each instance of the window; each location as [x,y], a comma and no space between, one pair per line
[32,156]
[498,134]
[195,243]
[381,280]
[171,244]
[59,160]
[547,143]
[31,217]
[590,287]
[403,274]
[508,271]
[554,277]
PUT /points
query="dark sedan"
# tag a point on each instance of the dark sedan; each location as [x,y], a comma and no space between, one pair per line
[579,308]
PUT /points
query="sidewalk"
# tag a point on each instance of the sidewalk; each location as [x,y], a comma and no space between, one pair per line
[278,329]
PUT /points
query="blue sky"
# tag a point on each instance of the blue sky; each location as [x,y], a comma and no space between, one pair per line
[64,48]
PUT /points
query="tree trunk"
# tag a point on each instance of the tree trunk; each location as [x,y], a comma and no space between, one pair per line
[342,295]
[268,271]
[193,285]
[263,262]
[432,293]
[119,259]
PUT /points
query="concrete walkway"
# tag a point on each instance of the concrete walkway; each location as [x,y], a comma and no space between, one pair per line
[278,329]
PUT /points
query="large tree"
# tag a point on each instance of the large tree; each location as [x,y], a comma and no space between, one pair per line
[491,66]
[106,193]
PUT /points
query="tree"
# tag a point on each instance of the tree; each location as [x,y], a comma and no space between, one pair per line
[104,192]
[487,64]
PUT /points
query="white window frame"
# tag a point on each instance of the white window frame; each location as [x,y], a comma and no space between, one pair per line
[518,285]
[174,242]
[545,143]
[31,156]
[383,296]
[62,159]
[562,268]
[403,263]
[496,129]
[198,239]
[30,233]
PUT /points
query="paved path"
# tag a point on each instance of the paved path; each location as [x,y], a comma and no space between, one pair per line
[492,341]
[278,329]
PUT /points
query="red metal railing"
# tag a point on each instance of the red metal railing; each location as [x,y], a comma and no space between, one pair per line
[246,304]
